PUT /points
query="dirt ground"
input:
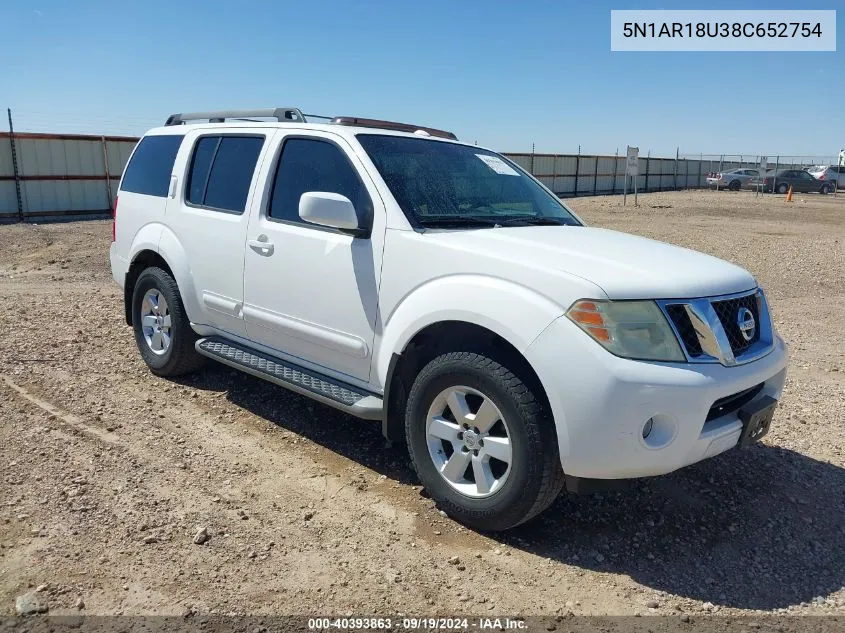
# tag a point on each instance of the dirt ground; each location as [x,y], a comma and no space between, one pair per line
[107,472]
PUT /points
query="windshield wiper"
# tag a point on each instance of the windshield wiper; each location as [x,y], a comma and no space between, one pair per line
[533,220]
[457,220]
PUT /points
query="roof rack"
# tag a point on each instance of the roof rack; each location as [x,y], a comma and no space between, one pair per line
[280,114]
[392,125]
[296,115]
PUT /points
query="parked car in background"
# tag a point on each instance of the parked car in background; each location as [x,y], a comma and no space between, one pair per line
[829,173]
[732,179]
[782,180]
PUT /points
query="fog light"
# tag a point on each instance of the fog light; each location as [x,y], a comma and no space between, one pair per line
[647,427]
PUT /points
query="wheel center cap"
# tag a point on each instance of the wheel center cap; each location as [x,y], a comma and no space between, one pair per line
[471,439]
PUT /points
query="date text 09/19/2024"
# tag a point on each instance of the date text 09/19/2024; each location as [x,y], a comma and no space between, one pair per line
[418,623]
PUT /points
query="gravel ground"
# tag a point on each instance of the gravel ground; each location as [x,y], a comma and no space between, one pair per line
[124,493]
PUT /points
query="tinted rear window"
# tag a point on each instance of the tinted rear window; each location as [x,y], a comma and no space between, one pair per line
[151,165]
[221,171]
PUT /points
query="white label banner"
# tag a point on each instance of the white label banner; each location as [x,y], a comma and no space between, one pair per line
[723,30]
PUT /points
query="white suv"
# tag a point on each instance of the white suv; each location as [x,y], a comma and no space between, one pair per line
[399,275]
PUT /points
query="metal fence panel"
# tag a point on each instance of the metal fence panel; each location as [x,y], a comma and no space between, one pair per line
[564,185]
[8,201]
[6,169]
[61,174]
[57,196]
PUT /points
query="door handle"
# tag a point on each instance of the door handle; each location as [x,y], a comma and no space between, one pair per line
[262,245]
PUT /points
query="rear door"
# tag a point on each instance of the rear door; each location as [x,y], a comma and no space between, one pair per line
[217,183]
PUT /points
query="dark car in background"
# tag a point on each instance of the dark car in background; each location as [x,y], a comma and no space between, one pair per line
[800,181]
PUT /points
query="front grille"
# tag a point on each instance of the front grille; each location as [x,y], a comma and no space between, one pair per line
[682,323]
[727,311]
[732,403]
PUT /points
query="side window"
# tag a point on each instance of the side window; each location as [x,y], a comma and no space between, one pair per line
[314,165]
[221,171]
[149,169]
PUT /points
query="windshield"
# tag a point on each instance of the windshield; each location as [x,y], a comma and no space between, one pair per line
[446,184]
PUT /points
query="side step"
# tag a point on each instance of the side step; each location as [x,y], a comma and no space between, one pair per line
[327,390]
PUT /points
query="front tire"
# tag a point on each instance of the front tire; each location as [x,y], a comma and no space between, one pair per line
[481,442]
[163,332]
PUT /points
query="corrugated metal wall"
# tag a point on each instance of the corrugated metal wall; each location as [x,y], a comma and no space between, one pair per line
[588,175]
[64,175]
[60,175]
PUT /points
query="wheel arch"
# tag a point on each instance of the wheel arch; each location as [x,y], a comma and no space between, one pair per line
[439,338]
[142,260]
[158,246]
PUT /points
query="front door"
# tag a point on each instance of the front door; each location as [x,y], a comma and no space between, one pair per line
[311,292]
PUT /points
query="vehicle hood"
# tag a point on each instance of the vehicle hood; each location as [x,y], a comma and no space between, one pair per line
[624,266]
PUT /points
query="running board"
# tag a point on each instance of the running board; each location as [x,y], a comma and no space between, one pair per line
[290,376]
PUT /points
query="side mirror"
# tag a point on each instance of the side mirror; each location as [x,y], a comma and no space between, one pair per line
[330,209]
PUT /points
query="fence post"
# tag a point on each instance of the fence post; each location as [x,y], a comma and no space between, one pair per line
[774,175]
[615,170]
[577,166]
[106,172]
[721,162]
[532,164]
[15,165]
[647,161]
[700,160]
[596,176]
[675,177]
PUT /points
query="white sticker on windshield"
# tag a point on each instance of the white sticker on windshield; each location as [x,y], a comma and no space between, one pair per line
[498,165]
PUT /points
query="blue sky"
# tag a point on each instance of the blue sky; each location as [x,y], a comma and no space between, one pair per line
[504,74]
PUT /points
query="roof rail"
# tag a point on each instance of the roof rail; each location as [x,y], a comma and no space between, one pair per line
[280,114]
[295,115]
[393,125]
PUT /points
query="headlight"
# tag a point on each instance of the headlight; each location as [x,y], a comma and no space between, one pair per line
[633,329]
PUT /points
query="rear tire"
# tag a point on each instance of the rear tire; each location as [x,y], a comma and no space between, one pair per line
[826,189]
[496,486]
[163,332]
[734,185]
[782,188]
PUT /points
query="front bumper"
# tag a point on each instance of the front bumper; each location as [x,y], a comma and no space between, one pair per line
[601,402]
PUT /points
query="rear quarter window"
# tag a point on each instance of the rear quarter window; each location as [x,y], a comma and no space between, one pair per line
[151,164]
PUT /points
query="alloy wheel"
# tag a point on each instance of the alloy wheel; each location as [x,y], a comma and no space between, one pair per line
[469,441]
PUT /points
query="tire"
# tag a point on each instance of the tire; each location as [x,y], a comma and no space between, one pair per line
[734,185]
[174,354]
[826,189]
[529,483]
[782,188]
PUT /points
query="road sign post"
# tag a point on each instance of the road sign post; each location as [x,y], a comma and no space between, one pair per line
[761,179]
[631,169]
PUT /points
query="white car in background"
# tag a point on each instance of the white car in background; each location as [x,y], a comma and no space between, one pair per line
[829,173]
[733,179]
